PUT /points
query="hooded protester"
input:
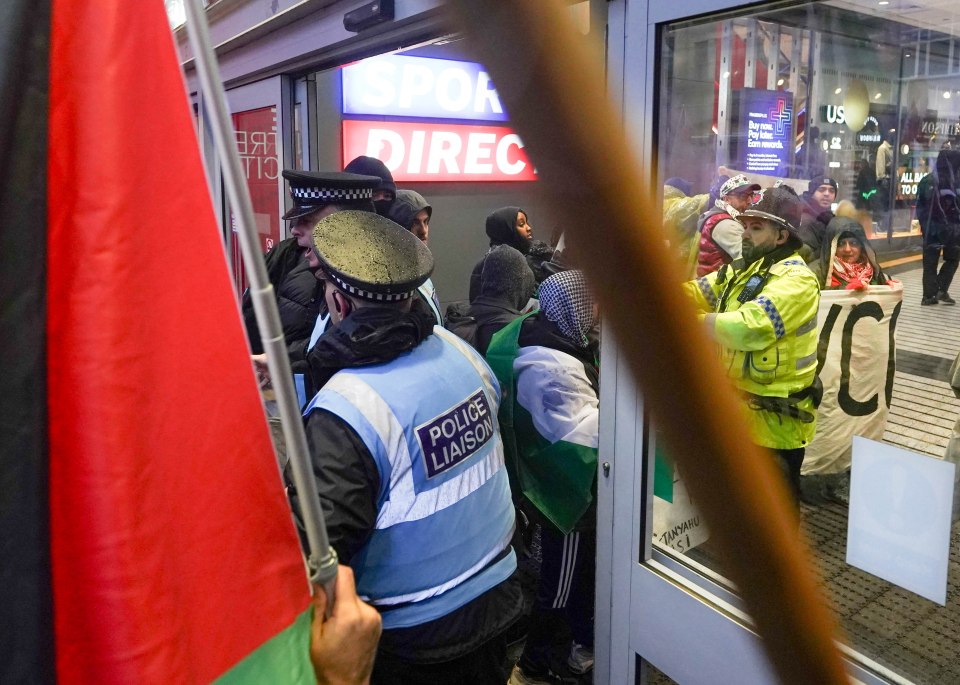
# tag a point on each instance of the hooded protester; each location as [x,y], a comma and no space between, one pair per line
[938,212]
[817,213]
[846,260]
[505,226]
[507,284]
[386,190]
[411,210]
[763,318]
[551,436]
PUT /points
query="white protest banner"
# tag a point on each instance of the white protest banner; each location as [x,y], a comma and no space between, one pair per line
[856,360]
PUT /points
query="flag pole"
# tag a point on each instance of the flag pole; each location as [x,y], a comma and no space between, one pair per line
[321,558]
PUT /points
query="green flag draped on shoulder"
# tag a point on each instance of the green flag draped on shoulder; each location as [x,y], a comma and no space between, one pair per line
[557,478]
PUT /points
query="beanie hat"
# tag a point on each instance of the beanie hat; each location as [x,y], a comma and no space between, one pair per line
[821,181]
[681,184]
[371,166]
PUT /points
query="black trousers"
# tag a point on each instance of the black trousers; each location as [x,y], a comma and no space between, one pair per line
[934,281]
[790,462]
[564,594]
[485,665]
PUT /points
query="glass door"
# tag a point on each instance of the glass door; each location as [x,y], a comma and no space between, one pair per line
[856,100]
[258,119]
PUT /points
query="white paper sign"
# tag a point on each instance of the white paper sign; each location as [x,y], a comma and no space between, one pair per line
[678,525]
[899,525]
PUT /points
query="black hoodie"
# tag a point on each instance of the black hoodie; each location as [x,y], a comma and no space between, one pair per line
[502,230]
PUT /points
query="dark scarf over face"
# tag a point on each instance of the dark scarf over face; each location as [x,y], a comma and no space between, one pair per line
[502,229]
[371,335]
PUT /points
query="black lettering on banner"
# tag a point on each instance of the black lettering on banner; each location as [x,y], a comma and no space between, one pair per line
[824,342]
[848,404]
[892,355]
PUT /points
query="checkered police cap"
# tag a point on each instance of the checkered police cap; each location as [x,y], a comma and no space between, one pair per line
[370,257]
[312,190]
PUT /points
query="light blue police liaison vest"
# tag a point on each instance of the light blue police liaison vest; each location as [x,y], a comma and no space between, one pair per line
[444,513]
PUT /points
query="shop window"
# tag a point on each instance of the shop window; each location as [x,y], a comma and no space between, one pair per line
[863,97]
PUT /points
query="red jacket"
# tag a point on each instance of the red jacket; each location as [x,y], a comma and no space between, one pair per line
[711,257]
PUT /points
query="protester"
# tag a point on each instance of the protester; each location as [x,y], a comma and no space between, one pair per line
[846,259]
[720,233]
[550,361]
[342,647]
[411,210]
[505,226]
[763,318]
[506,286]
[408,461]
[386,190]
[817,213]
[938,212]
[680,214]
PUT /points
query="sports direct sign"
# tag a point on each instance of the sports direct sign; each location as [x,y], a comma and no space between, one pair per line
[457,137]
[439,152]
[399,85]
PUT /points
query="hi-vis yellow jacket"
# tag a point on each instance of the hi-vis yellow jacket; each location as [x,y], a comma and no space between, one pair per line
[768,344]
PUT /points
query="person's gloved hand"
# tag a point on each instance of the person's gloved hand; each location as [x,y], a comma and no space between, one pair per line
[343,646]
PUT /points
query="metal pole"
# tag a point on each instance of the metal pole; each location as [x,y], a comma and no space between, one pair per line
[321,569]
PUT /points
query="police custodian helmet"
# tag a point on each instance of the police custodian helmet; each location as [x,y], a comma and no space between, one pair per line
[779,205]
[370,257]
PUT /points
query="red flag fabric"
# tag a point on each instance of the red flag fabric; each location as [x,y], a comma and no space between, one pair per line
[174,554]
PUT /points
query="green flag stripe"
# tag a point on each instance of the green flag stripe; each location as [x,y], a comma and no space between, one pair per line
[284,659]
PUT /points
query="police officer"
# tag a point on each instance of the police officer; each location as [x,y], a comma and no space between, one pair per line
[408,460]
[764,318]
[291,263]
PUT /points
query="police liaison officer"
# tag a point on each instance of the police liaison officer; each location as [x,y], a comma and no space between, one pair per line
[764,318]
[408,460]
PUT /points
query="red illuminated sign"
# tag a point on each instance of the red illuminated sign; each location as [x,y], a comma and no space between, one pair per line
[439,152]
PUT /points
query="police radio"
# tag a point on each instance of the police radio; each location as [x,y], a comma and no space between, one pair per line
[752,288]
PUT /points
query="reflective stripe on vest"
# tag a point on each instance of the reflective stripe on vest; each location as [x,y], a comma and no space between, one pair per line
[428,293]
[445,517]
[299,379]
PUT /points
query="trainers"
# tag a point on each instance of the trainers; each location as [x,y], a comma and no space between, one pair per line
[581,659]
[944,297]
[521,677]
[929,300]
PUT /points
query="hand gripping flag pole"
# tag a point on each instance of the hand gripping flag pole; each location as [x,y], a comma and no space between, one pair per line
[321,558]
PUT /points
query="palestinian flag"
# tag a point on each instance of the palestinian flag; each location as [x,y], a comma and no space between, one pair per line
[146,537]
[558,478]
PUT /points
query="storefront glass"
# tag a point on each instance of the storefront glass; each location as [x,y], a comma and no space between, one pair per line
[862,97]
[256,136]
